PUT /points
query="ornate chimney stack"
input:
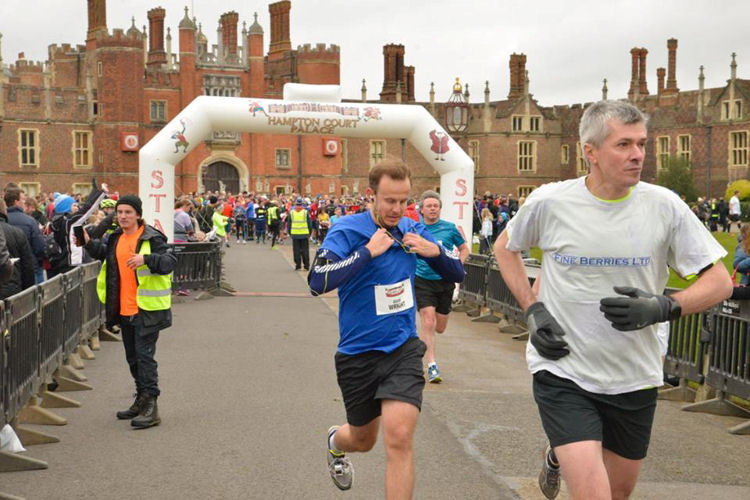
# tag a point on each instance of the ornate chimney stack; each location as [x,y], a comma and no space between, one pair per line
[156,54]
[97,18]
[660,73]
[672,65]
[733,67]
[634,55]
[229,22]
[642,87]
[517,66]
[432,98]
[364,91]
[394,71]
[280,40]
[604,90]
[701,82]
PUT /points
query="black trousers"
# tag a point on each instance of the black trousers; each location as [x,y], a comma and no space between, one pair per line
[301,248]
[140,350]
[274,228]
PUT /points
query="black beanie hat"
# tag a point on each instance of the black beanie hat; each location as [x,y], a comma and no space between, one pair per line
[133,201]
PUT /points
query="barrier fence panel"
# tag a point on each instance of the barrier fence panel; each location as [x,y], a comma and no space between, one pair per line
[198,265]
[73,307]
[499,296]
[23,351]
[729,349]
[685,349]
[91,304]
[474,286]
[3,369]
[50,331]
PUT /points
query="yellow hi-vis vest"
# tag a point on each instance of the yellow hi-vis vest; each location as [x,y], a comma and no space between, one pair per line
[154,290]
[299,222]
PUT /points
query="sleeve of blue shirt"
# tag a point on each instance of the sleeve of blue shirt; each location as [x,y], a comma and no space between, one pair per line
[335,262]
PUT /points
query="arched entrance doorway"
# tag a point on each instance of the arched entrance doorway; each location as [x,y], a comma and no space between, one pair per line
[221,176]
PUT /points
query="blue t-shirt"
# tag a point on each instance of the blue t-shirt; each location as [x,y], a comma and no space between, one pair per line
[361,328]
[447,234]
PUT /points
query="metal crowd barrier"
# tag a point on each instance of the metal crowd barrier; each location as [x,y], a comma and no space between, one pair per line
[198,265]
[92,307]
[52,296]
[4,397]
[22,354]
[729,349]
[73,302]
[710,348]
[474,287]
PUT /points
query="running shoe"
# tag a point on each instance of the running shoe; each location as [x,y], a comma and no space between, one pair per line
[549,477]
[433,374]
[339,466]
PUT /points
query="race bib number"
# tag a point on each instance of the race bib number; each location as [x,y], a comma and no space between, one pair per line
[390,299]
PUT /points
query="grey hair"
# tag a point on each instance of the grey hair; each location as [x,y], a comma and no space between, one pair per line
[594,127]
[430,194]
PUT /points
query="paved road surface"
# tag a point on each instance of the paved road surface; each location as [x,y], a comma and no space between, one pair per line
[249,390]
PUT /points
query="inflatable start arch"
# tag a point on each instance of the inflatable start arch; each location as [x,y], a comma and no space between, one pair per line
[305,109]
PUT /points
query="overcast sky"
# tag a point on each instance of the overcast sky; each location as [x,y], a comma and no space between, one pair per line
[570,46]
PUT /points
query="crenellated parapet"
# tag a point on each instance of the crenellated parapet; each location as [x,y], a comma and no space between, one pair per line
[119,38]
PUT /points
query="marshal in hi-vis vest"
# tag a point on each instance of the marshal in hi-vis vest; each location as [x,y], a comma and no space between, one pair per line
[154,290]
[299,222]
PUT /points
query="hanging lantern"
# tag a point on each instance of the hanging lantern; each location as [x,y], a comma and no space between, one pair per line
[457,111]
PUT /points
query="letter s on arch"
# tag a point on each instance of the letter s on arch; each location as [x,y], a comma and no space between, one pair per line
[460,187]
[157,179]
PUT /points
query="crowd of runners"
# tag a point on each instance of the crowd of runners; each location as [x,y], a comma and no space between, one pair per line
[595,345]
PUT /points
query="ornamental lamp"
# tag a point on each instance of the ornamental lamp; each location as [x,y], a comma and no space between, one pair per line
[457,110]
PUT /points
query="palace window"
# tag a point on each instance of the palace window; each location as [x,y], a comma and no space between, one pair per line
[28,147]
[283,157]
[582,168]
[474,153]
[662,151]
[564,154]
[30,188]
[158,111]
[683,147]
[517,122]
[83,188]
[725,110]
[738,149]
[535,123]
[82,146]
[738,110]
[377,152]
[525,191]
[526,156]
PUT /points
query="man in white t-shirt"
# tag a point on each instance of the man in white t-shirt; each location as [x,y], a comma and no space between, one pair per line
[607,241]
[734,210]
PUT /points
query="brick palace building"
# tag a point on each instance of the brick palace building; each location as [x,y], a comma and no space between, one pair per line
[86,110]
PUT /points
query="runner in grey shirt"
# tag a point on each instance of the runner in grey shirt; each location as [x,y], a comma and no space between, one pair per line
[607,241]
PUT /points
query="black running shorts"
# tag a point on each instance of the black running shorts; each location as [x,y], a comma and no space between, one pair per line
[435,293]
[366,379]
[622,422]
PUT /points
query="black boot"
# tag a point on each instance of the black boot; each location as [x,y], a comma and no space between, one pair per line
[133,411]
[149,414]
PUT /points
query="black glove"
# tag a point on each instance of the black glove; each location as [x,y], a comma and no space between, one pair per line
[638,309]
[545,333]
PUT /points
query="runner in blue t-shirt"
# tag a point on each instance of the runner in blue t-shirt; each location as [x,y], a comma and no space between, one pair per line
[371,258]
[435,294]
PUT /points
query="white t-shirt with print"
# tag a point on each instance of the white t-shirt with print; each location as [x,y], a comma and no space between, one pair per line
[734,206]
[591,245]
